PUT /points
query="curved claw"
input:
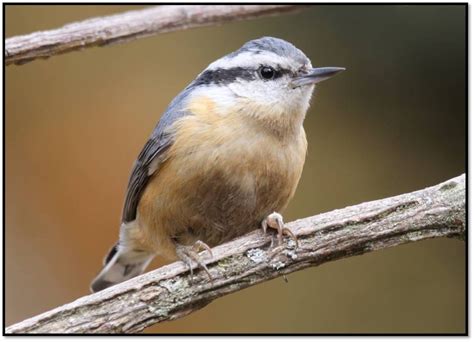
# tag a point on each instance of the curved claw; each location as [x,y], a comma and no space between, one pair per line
[187,254]
[199,245]
[281,227]
[291,235]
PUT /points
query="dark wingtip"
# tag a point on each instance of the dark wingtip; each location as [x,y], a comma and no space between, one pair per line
[111,254]
[99,284]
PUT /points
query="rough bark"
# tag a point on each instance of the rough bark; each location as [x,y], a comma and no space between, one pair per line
[129,26]
[169,292]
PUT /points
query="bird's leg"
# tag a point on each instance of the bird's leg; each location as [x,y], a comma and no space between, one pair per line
[275,221]
[188,254]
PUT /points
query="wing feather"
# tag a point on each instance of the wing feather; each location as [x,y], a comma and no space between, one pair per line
[152,155]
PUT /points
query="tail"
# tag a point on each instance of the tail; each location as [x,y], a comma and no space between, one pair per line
[120,264]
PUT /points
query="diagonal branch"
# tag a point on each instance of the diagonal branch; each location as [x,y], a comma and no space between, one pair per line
[128,26]
[168,293]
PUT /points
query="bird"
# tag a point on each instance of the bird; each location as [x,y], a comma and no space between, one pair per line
[224,159]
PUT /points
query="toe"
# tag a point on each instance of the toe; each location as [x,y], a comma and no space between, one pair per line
[275,221]
[203,246]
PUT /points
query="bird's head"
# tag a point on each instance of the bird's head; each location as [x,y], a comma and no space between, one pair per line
[267,79]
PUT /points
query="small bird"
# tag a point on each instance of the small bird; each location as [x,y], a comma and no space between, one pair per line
[224,159]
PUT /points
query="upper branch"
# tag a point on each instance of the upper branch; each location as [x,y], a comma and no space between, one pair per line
[168,292]
[127,26]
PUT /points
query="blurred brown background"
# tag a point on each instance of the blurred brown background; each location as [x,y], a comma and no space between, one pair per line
[394,122]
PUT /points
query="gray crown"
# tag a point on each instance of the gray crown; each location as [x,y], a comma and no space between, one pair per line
[278,46]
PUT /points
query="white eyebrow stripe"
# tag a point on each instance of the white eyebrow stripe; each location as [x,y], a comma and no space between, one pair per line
[249,59]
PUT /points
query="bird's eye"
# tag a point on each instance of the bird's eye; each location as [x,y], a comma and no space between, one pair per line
[266,72]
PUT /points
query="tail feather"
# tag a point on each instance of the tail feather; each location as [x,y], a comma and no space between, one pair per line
[110,254]
[120,265]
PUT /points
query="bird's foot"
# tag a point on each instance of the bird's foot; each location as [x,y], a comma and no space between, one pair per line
[188,254]
[275,221]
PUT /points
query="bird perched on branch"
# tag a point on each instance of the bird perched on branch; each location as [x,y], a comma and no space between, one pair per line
[224,159]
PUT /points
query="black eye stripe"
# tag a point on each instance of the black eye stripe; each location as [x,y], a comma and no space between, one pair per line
[226,76]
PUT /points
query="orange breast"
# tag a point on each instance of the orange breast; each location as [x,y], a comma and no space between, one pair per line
[222,176]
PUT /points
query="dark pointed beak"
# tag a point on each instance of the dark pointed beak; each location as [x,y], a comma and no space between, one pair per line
[316,75]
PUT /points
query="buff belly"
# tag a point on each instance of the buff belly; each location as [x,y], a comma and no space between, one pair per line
[217,184]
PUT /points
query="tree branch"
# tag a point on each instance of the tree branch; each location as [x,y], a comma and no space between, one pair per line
[128,26]
[168,292]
